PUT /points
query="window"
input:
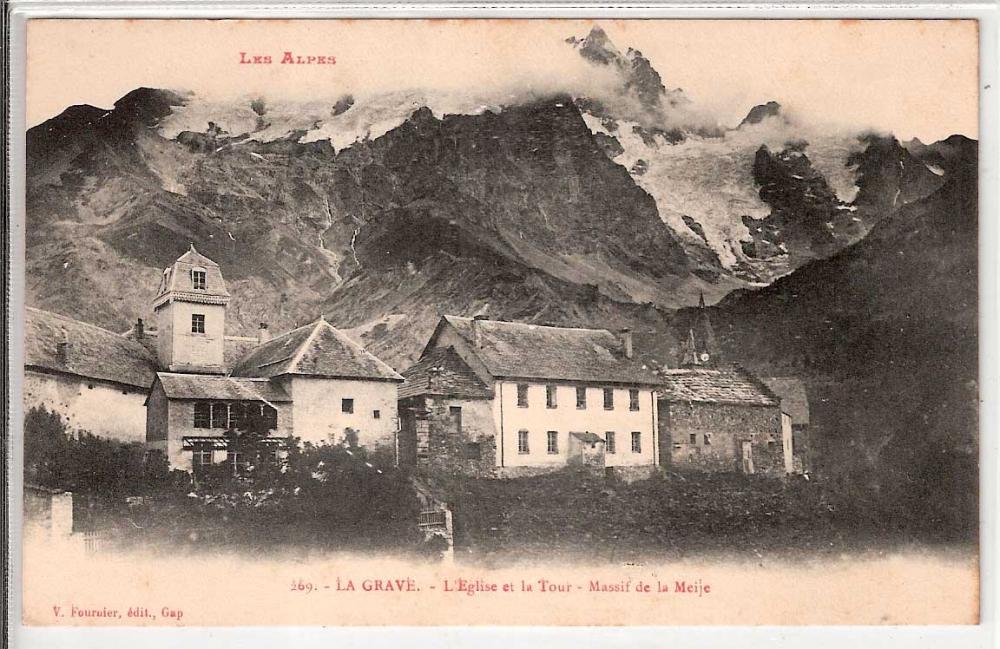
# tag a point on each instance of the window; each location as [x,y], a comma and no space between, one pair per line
[197,323]
[235,460]
[581,398]
[609,398]
[236,417]
[347,406]
[202,457]
[708,439]
[637,442]
[522,442]
[473,451]
[550,396]
[220,415]
[552,442]
[633,400]
[270,416]
[609,441]
[202,415]
[376,414]
[693,438]
[522,395]
[198,279]
[455,412]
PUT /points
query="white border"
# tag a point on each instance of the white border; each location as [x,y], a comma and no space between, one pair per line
[983,636]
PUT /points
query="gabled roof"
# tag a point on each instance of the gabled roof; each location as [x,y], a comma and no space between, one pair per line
[716,385]
[93,353]
[517,350]
[316,349]
[216,387]
[442,372]
[792,392]
[177,281]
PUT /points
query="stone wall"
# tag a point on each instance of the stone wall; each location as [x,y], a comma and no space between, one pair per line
[710,436]
[450,441]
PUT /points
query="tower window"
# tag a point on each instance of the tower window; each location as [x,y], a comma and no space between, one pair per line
[198,279]
[197,323]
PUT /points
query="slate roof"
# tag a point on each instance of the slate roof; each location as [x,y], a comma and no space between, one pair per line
[216,387]
[454,377]
[716,385]
[94,352]
[792,392]
[518,350]
[234,348]
[176,279]
[316,349]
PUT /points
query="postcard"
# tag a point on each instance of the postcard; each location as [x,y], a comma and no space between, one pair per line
[549,322]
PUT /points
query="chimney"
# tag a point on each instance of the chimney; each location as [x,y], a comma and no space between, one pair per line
[263,335]
[140,329]
[64,349]
[477,334]
[626,335]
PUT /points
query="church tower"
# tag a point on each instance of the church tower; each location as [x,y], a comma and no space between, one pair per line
[700,348]
[190,313]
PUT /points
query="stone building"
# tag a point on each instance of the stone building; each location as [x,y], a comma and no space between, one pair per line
[503,398]
[313,382]
[84,372]
[795,405]
[721,419]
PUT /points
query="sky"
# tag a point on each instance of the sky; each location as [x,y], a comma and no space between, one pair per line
[914,78]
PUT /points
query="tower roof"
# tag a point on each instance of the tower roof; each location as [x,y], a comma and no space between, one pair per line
[192,278]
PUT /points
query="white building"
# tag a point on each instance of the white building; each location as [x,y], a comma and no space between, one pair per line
[492,397]
[84,373]
[313,382]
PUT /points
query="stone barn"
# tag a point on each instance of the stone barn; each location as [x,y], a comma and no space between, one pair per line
[720,420]
[446,417]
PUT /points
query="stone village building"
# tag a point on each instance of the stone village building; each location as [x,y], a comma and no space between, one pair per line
[181,386]
[485,398]
[313,382]
[84,372]
[497,398]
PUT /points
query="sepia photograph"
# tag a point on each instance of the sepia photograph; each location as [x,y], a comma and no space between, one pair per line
[550,322]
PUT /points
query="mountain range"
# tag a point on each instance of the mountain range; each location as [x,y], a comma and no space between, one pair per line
[846,257]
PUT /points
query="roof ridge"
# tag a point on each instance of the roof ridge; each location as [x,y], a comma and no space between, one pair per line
[344,338]
[300,352]
[80,322]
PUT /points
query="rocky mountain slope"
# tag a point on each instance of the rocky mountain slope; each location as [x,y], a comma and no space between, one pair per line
[384,211]
[885,334]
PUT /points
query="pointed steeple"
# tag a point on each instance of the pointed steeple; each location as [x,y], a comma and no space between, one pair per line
[689,353]
[708,349]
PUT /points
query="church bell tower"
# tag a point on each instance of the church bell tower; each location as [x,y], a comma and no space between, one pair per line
[190,312]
